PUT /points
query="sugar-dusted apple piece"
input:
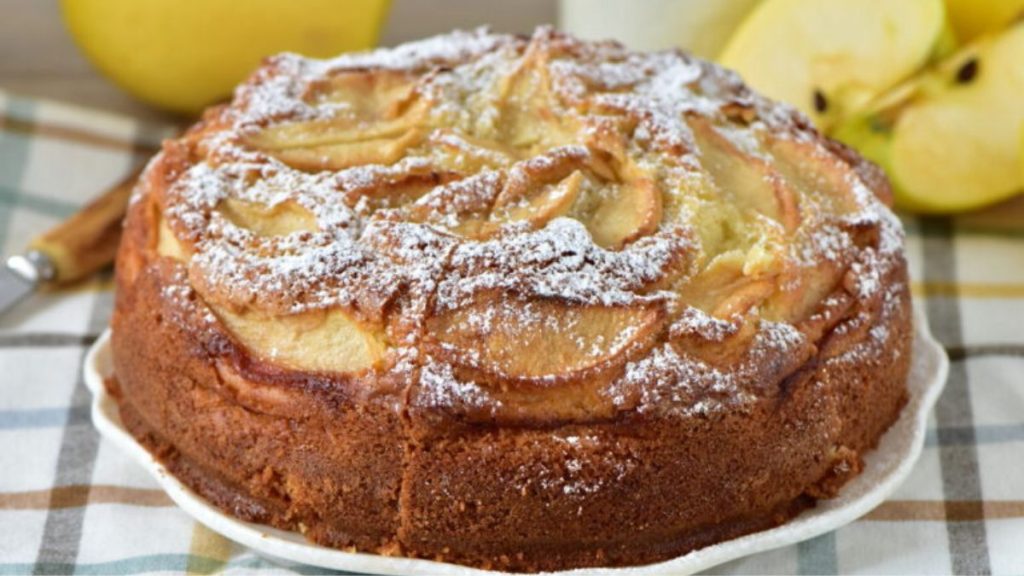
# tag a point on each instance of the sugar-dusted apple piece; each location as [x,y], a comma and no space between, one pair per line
[534,339]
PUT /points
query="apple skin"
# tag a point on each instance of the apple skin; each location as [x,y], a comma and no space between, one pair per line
[974,18]
[872,136]
[185,55]
[1020,157]
[950,138]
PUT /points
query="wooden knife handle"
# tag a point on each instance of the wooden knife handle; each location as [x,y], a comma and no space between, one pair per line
[87,241]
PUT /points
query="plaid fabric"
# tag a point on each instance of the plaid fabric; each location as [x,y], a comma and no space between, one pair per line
[70,502]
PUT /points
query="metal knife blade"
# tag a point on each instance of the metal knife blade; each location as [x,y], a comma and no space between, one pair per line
[74,249]
[21,275]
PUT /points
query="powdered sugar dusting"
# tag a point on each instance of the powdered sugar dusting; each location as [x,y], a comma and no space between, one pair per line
[673,381]
[559,261]
[407,235]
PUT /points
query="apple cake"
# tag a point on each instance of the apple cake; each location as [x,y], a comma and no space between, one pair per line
[521,303]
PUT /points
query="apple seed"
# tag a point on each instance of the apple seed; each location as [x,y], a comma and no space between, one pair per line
[967,71]
[820,103]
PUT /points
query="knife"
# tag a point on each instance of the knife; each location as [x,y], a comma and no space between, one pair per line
[78,247]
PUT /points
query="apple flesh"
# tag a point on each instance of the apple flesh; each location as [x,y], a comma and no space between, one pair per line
[832,58]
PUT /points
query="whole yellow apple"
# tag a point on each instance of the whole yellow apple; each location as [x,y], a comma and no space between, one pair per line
[183,55]
[972,18]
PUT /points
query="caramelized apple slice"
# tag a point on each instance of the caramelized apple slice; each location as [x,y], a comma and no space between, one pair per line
[537,339]
[393,192]
[327,133]
[528,176]
[378,120]
[529,114]
[747,178]
[722,289]
[460,206]
[816,174]
[717,340]
[348,154]
[471,154]
[372,106]
[319,341]
[551,202]
[263,220]
[631,210]
[535,190]
[369,93]
[167,244]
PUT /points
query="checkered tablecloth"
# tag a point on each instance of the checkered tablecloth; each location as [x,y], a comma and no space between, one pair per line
[70,502]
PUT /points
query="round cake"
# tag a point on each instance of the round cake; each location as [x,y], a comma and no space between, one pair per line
[522,303]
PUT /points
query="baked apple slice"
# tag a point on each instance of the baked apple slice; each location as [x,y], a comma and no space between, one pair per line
[723,289]
[368,93]
[375,121]
[630,210]
[317,341]
[328,132]
[346,154]
[278,220]
[470,154]
[366,107]
[529,117]
[814,173]
[744,176]
[540,339]
[167,243]
[551,202]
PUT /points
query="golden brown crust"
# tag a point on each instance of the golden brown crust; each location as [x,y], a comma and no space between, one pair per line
[476,379]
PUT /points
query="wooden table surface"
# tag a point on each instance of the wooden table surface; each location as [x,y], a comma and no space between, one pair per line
[38,57]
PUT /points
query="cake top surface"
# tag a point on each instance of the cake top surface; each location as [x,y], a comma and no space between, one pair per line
[484,208]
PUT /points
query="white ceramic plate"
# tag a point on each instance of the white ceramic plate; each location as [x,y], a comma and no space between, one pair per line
[886,467]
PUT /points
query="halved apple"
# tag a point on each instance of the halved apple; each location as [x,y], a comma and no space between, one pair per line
[538,338]
[831,58]
[950,138]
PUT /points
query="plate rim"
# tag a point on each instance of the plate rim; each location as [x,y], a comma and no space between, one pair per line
[278,544]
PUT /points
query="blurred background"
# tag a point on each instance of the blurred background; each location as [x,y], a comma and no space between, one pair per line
[38,57]
[929,89]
